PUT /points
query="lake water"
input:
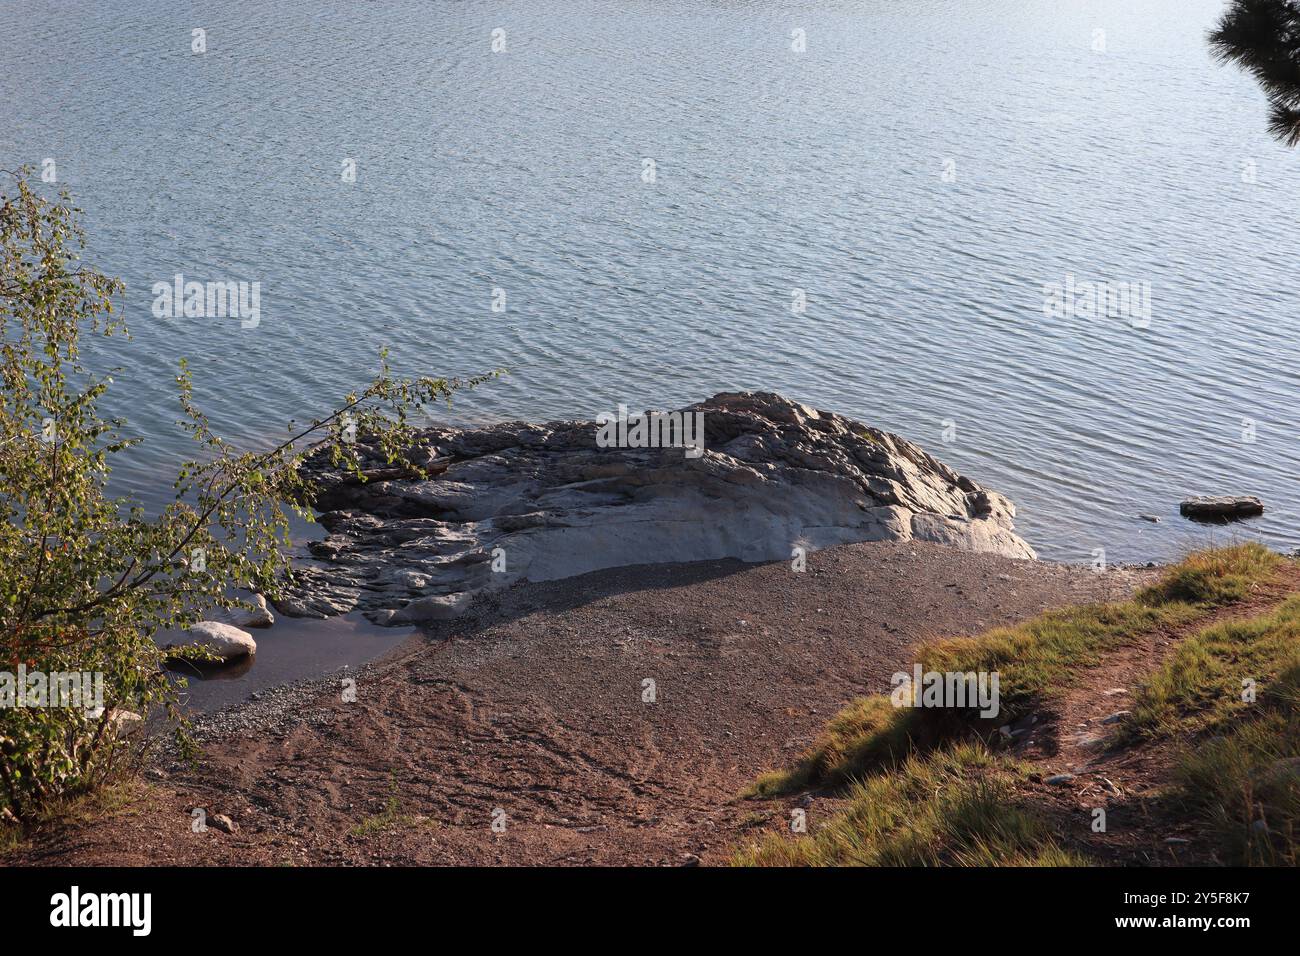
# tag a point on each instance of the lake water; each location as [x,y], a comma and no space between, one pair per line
[921,170]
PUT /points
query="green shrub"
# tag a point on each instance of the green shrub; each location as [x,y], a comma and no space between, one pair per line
[85,578]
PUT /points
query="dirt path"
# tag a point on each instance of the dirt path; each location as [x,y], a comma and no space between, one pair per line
[1071,737]
[537,715]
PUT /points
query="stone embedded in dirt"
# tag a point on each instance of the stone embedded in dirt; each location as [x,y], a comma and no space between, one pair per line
[517,501]
[1114,692]
[1116,717]
[225,640]
[223,823]
[1059,779]
[1018,727]
[1226,508]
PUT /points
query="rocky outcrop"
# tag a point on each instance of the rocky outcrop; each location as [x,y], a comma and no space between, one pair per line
[519,501]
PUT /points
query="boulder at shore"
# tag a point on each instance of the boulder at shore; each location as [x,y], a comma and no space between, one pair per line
[519,501]
[225,640]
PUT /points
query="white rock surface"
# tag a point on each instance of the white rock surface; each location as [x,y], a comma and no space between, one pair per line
[522,501]
[225,640]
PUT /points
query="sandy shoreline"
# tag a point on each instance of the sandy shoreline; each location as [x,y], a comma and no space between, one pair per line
[534,713]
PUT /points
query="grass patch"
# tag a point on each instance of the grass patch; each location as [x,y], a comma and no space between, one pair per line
[1214,577]
[925,789]
[390,817]
[1243,786]
[1240,775]
[1201,685]
[1034,660]
[74,810]
[869,730]
[1031,659]
[957,807]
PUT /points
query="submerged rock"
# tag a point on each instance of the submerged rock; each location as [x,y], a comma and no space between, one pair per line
[1225,508]
[257,615]
[520,501]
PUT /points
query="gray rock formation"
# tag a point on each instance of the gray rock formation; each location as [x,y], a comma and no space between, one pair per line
[521,501]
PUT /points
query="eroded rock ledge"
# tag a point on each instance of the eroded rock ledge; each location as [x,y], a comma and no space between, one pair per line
[520,501]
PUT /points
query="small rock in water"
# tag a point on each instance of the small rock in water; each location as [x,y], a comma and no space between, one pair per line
[441,607]
[1058,779]
[1223,508]
[1152,518]
[259,616]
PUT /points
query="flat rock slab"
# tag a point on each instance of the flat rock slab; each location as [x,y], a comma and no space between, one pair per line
[1223,508]
[536,502]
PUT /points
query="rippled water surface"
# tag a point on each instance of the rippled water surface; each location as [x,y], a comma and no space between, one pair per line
[776,170]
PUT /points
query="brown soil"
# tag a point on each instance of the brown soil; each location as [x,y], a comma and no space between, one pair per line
[535,707]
